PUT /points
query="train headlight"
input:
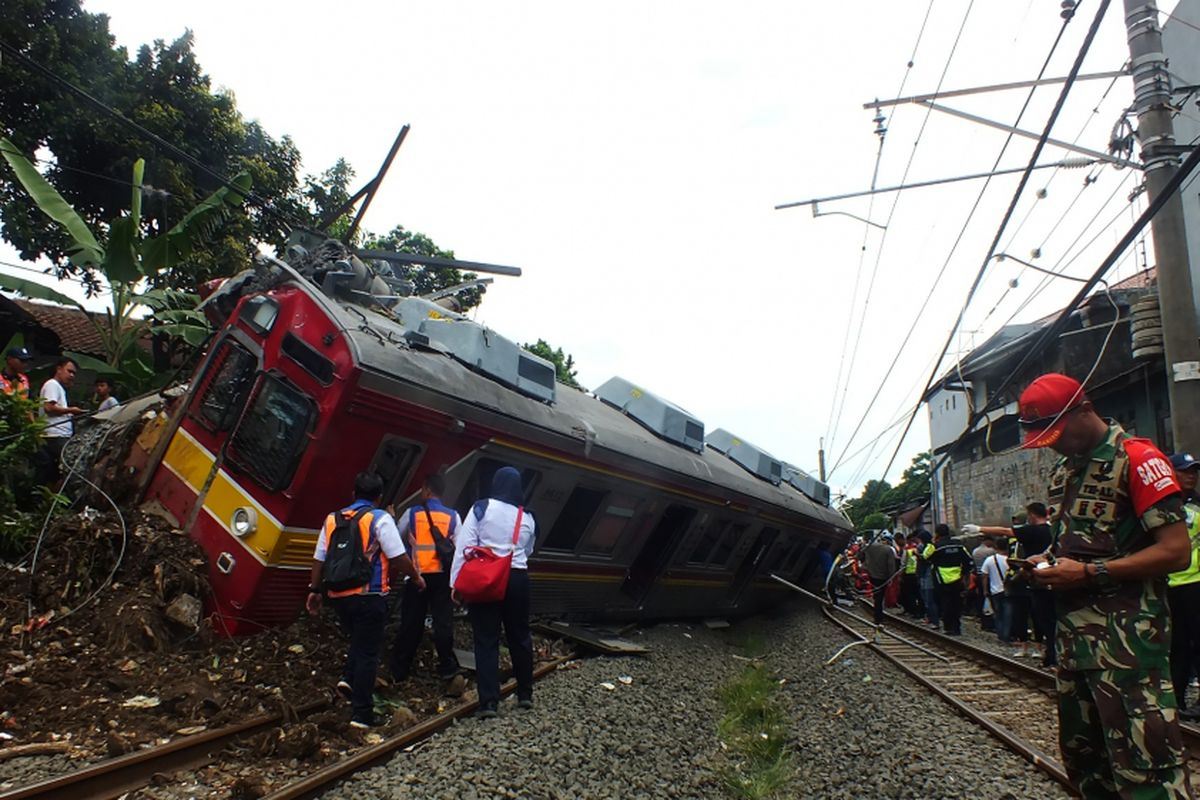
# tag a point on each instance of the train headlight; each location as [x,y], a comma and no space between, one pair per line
[244,522]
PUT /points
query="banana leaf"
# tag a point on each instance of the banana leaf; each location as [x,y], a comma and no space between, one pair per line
[94,364]
[37,291]
[120,264]
[86,251]
[175,245]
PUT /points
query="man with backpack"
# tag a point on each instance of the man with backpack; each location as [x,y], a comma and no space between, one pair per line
[358,553]
[428,528]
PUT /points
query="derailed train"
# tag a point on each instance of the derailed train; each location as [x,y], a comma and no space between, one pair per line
[319,370]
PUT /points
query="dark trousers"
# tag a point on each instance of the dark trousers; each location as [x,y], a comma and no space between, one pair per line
[1045,620]
[1185,637]
[362,617]
[878,590]
[434,600]
[513,612]
[46,471]
[951,601]
[910,594]
[1018,616]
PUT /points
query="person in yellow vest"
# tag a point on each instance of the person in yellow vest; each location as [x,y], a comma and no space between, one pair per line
[362,610]
[950,564]
[422,526]
[1183,593]
[910,585]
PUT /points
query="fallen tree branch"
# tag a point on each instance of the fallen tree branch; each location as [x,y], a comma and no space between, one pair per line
[34,749]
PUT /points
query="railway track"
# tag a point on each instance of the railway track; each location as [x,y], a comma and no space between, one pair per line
[1012,700]
[115,777]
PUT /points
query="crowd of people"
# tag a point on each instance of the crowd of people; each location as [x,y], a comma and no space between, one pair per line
[60,414]
[428,544]
[1101,581]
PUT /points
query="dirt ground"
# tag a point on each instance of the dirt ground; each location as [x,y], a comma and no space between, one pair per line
[109,666]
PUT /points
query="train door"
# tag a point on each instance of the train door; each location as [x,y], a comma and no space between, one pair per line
[656,553]
[749,566]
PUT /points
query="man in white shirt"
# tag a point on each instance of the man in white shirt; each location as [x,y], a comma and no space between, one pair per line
[59,427]
[993,570]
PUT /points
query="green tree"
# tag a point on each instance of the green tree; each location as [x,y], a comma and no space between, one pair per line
[564,363]
[866,503]
[874,521]
[425,279]
[914,483]
[126,259]
[88,155]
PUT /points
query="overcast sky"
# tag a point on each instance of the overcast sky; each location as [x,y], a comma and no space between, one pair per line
[627,156]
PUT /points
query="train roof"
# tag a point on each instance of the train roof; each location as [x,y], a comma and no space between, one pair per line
[379,346]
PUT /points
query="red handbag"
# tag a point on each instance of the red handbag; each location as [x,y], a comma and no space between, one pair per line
[484,575]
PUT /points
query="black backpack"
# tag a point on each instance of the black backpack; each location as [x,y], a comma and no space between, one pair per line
[346,565]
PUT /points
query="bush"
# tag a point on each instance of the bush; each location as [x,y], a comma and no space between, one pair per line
[20,437]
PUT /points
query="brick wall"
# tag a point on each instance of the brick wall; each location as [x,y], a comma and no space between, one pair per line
[991,490]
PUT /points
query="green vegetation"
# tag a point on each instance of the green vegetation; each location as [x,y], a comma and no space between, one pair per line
[753,732]
[878,495]
[20,432]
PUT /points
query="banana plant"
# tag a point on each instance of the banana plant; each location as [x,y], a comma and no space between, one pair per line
[126,259]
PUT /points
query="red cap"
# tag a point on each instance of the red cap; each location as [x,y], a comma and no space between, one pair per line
[1044,406]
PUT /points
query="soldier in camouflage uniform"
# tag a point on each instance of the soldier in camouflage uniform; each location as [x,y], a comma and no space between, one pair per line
[1117,533]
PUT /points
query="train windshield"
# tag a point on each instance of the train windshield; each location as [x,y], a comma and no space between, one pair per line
[268,443]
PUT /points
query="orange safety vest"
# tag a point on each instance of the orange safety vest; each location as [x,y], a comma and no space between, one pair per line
[379,583]
[18,386]
[418,523]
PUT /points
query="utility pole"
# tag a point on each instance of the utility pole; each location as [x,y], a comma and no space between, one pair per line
[1160,156]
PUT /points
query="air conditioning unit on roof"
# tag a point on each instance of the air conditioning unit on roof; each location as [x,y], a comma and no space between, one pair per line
[753,459]
[657,415]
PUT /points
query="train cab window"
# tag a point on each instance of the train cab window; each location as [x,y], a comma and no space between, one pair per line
[228,379]
[259,313]
[615,515]
[273,434]
[728,541]
[573,520]
[479,485]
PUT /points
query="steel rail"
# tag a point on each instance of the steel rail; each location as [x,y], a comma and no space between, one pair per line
[313,784]
[1025,749]
[117,776]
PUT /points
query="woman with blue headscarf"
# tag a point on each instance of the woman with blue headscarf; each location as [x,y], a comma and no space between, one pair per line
[491,523]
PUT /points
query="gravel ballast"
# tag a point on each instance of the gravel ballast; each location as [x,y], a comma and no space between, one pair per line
[859,729]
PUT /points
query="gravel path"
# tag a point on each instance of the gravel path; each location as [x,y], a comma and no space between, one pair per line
[859,730]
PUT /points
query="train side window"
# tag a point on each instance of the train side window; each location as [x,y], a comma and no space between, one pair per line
[725,547]
[615,516]
[574,517]
[789,566]
[782,551]
[273,434]
[708,540]
[393,463]
[228,380]
[479,485]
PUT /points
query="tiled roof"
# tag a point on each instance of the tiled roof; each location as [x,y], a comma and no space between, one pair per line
[74,329]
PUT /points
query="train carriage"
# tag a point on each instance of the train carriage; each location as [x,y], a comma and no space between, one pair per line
[317,372]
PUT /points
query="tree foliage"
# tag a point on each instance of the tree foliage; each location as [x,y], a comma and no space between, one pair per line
[425,279]
[564,363]
[88,156]
[126,258]
[878,495]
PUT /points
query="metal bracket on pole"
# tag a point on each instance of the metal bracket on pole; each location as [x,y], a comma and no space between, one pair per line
[817,213]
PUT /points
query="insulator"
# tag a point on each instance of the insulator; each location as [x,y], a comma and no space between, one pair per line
[1075,163]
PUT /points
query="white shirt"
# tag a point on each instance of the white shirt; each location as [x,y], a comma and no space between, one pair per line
[994,569]
[59,426]
[108,402]
[383,530]
[495,532]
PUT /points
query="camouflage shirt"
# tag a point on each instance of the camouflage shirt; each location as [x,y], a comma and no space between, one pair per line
[1117,495]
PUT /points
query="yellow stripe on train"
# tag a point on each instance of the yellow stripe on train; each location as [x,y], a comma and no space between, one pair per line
[270,543]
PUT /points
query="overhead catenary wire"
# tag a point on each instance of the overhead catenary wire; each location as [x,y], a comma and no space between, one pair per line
[834,406]
[8,49]
[1041,143]
[891,214]
[962,231]
[1051,331]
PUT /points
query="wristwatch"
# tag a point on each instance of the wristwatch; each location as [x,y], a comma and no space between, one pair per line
[315,590]
[1100,577]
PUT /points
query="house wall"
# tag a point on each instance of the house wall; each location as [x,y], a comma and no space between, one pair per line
[991,490]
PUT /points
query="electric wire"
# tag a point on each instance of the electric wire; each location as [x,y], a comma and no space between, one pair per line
[256,200]
[1041,143]
[962,231]
[891,214]
[831,426]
